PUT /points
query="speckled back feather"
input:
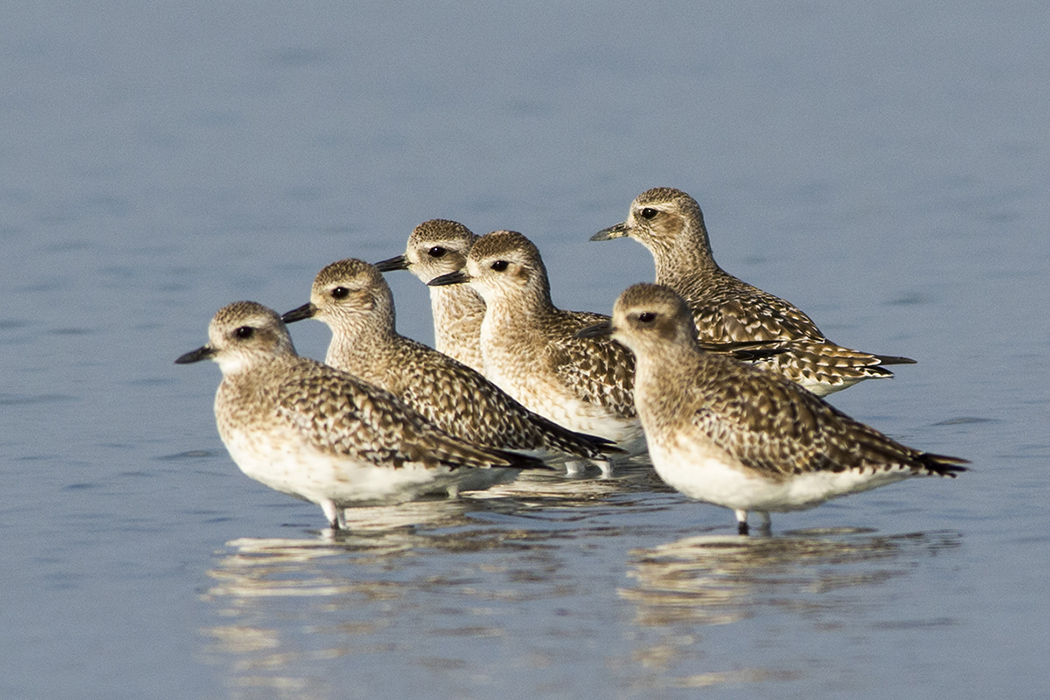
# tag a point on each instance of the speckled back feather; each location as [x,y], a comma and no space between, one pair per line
[597,370]
[771,426]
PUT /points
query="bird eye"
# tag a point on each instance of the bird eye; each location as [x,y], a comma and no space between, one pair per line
[244,332]
[646,317]
[340,293]
[648,213]
[500,265]
[436,252]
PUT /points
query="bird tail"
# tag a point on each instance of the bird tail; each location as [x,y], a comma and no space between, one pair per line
[943,465]
[894,360]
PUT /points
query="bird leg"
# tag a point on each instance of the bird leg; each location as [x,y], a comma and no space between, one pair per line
[741,522]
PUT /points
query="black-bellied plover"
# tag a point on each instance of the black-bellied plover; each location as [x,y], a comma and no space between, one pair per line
[531,350]
[353,299]
[324,436]
[725,309]
[724,432]
[439,247]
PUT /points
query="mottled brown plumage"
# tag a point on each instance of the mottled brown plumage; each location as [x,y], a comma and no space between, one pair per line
[531,350]
[725,309]
[747,439]
[323,435]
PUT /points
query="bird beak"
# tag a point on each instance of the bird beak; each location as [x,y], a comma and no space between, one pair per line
[307,310]
[457,277]
[607,234]
[204,352]
[598,330]
[399,262]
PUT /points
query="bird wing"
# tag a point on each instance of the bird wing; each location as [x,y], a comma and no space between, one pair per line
[598,370]
[728,309]
[341,414]
[771,425]
[462,402]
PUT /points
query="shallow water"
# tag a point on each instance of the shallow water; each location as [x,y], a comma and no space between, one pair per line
[883,166]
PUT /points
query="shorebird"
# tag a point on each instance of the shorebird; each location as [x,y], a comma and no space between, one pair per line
[313,432]
[353,299]
[726,433]
[439,247]
[530,347]
[725,309]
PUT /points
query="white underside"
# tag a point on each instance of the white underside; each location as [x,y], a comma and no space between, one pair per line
[327,480]
[570,412]
[587,418]
[708,474]
[558,404]
[823,389]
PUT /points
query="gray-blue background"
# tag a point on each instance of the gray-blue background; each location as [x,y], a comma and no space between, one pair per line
[884,165]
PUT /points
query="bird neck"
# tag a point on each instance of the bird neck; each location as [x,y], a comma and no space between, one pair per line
[458,312]
[355,348]
[687,259]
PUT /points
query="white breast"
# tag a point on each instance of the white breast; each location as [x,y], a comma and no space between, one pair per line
[300,470]
[704,472]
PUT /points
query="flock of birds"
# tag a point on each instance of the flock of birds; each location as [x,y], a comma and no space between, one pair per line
[714,382]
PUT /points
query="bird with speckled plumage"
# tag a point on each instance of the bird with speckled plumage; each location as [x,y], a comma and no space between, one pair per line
[311,431]
[725,309]
[530,347]
[439,247]
[726,433]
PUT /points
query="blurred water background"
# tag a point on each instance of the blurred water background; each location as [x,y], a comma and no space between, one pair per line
[883,165]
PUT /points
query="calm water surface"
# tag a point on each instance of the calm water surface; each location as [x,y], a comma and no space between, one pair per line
[882,165]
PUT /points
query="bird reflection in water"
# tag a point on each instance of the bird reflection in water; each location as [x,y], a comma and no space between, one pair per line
[421,587]
[260,584]
[822,575]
